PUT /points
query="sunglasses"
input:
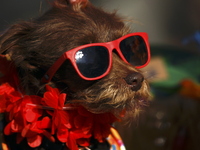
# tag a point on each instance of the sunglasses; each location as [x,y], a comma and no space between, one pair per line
[93,61]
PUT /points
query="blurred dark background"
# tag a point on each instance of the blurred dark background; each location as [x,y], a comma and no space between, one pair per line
[172,121]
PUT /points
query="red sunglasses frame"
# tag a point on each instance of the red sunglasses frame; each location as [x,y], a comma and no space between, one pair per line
[113,45]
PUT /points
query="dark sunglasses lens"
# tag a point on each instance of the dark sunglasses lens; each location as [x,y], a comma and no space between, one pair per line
[134,50]
[92,61]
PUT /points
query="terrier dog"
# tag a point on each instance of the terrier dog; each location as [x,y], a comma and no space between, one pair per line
[85,56]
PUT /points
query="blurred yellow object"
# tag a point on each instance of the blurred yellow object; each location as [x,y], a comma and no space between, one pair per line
[190,89]
[4,146]
[115,140]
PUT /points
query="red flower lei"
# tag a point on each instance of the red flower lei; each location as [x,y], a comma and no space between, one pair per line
[33,117]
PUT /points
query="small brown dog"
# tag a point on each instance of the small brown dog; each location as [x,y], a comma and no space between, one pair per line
[84,52]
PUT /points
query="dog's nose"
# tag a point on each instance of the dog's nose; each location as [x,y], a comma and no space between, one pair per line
[134,80]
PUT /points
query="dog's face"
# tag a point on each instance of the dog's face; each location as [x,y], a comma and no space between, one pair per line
[37,45]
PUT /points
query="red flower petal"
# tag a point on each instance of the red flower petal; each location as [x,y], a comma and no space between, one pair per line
[34,141]
[53,98]
[102,118]
[87,129]
[62,99]
[84,112]
[50,99]
[15,126]
[25,130]
[3,103]
[9,108]
[31,130]
[7,129]
[49,136]
[78,134]
[79,121]
[83,142]
[45,123]
[62,135]
[52,90]
[19,138]
[101,132]
[83,123]
[30,115]
[6,88]
[72,143]
[62,118]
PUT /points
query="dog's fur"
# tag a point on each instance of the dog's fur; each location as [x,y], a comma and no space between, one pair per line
[35,45]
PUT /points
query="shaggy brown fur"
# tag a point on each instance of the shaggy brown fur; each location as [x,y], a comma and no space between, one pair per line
[35,45]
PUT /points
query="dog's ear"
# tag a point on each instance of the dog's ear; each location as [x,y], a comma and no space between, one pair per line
[14,41]
[10,39]
[66,3]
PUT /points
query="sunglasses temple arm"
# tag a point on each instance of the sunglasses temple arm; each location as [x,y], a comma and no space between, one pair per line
[52,70]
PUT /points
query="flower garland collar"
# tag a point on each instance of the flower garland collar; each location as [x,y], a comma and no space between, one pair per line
[32,117]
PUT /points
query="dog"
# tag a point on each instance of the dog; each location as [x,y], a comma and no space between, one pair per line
[68,75]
